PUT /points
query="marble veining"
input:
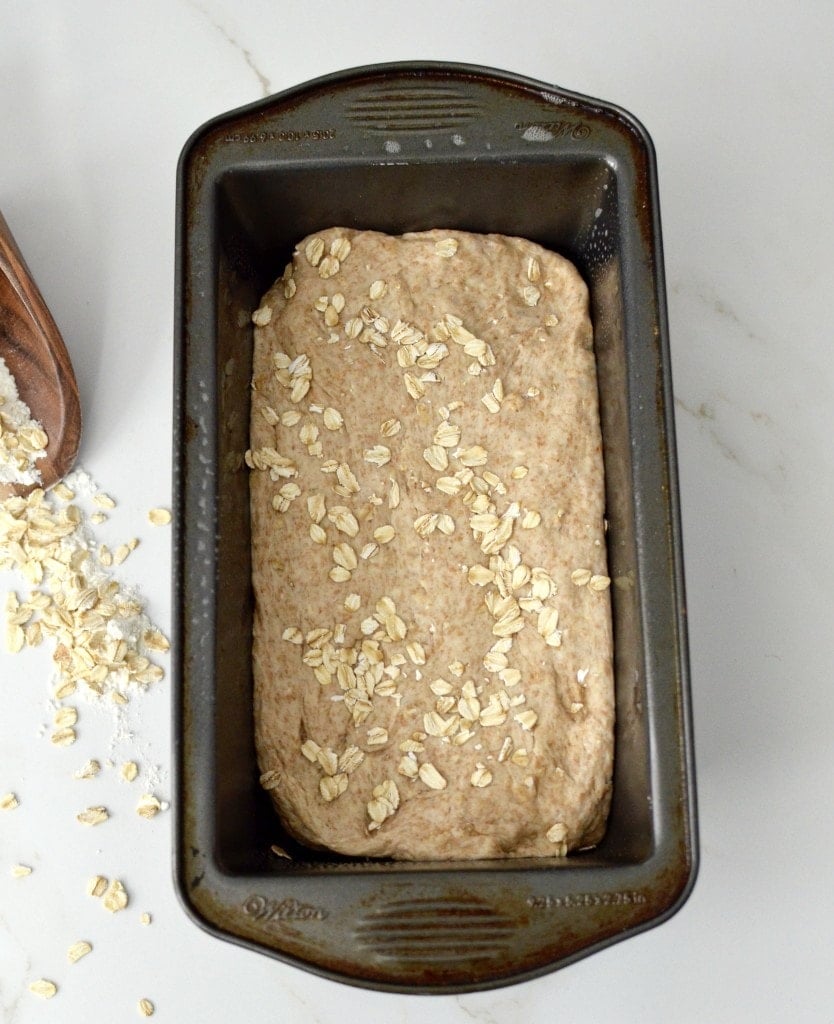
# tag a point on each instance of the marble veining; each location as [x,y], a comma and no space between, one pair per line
[481,1015]
[11,996]
[723,431]
[263,81]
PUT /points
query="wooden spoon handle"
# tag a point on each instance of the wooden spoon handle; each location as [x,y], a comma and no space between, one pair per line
[34,351]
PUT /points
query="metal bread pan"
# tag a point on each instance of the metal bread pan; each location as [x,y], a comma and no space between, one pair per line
[401,147]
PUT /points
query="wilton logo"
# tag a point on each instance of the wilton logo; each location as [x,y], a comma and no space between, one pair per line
[546,131]
[263,909]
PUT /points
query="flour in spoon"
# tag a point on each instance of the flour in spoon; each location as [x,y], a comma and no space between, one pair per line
[22,439]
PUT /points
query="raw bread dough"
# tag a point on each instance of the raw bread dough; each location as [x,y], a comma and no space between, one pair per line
[432,641]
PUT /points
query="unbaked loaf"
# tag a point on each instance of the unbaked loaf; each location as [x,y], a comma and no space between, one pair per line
[432,640]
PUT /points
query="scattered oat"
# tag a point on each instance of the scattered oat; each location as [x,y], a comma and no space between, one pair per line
[408,766]
[329,267]
[103,500]
[450,485]
[97,886]
[510,676]
[447,247]
[63,737]
[436,457]
[350,759]
[261,317]
[377,736]
[78,950]
[270,779]
[415,387]
[426,524]
[333,419]
[15,638]
[527,719]
[495,661]
[65,716]
[146,1007]
[20,870]
[557,833]
[385,799]
[474,456]
[332,786]
[8,802]
[416,652]
[314,251]
[155,640]
[581,577]
[447,435]
[60,490]
[354,327]
[446,524]
[345,557]
[344,520]
[340,248]
[93,816]
[379,455]
[348,484]
[431,776]
[88,770]
[384,534]
[598,582]
[115,898]
[548,620]
[389,428]
[145,918]
[44,988]
[148,806]
[480,575]
[159,516]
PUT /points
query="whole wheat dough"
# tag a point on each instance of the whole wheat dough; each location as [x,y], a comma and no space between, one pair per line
[432,639]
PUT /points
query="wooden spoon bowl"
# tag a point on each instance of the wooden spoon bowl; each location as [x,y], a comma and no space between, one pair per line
[34,352]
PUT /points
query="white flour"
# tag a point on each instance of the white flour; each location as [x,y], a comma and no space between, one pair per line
[17,460]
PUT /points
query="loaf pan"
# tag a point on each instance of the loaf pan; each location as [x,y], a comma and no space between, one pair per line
[406,147]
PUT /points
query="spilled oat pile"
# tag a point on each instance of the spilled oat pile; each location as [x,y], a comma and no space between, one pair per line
[104,648]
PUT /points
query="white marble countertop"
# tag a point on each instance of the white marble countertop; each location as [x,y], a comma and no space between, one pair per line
[97,101]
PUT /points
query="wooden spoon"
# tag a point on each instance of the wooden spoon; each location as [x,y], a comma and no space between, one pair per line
[34,351]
